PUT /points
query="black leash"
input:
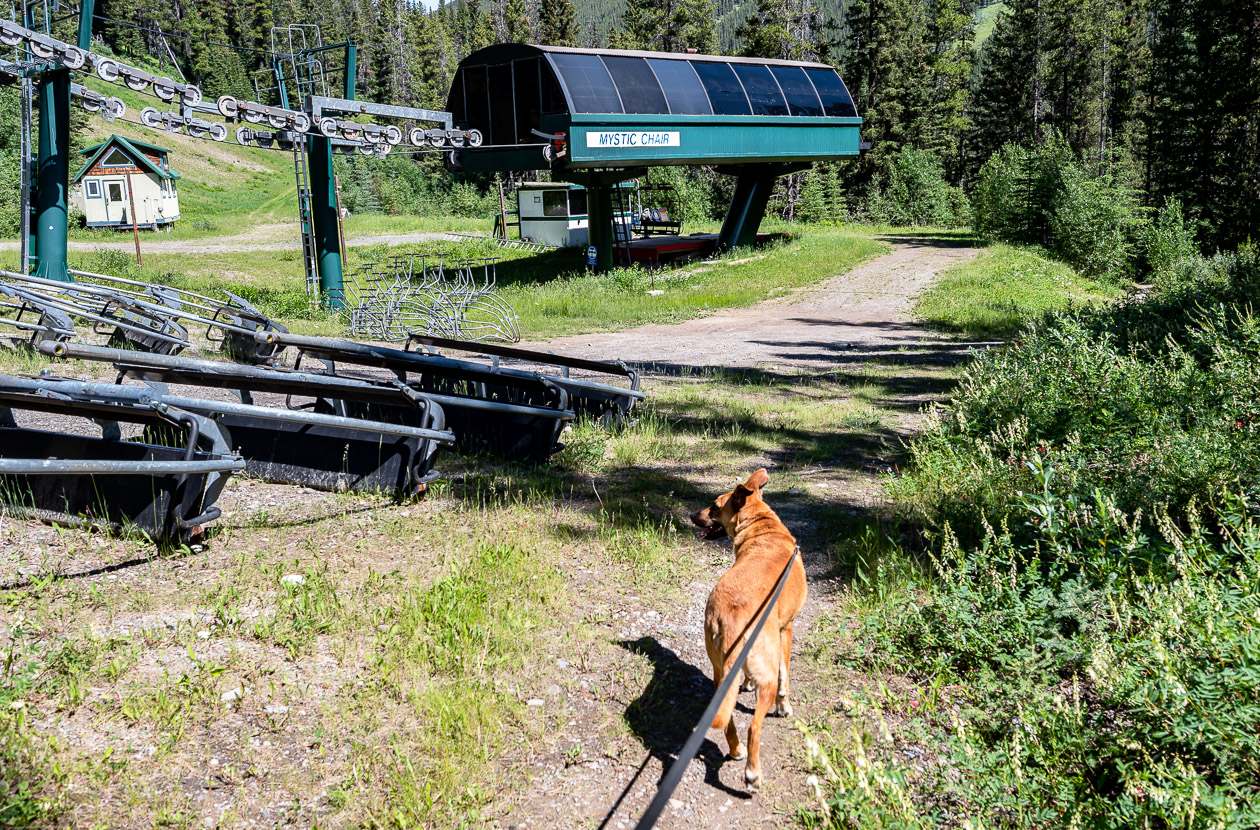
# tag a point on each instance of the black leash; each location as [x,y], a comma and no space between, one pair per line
[670,782]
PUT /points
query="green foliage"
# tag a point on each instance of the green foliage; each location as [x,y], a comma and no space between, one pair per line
[29,782]
[1091,498]
[1094,224]
[557,23]
[1045,196]
[822,198]
[1002,290]
[670,25]
[1168,240]
[917,193]
[687,194]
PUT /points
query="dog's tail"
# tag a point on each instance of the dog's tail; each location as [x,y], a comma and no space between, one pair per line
[723,716]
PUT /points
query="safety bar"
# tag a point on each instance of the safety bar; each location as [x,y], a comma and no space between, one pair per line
[87,466]
[366,354]
[144,396]
[543,358]
[144,300]
[66,305]
[233,375]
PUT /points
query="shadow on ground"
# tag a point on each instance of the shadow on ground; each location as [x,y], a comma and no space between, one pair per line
[664,714]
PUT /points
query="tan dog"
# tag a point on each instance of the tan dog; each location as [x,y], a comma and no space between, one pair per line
[763,546]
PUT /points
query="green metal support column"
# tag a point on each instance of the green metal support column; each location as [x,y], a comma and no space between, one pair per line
[748,207]
[324,218]
[600,186]
[600,223]
[87,10]
[52,175]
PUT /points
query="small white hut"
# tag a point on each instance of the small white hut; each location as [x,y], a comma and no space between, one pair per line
[126,175]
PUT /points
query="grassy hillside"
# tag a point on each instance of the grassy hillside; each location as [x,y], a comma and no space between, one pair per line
[225,189]
[986,19]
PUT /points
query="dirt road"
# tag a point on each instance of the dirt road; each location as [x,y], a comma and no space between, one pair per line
[865,310]
[857,319]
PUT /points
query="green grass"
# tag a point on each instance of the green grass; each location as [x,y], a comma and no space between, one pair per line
[995,294]
[985,20]
[551,292]
[626,296]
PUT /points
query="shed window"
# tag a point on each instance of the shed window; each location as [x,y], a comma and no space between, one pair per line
[639,90]
[577,202]
[115,158]
[763,92]
[93,189]
[682,87]
[115,191]
[800,93]
[835,98]
[723,87]
[555,203]
[590,86]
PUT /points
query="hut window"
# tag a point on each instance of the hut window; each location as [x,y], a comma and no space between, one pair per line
[555,203]
[93,189]
[115,192]
[116,158]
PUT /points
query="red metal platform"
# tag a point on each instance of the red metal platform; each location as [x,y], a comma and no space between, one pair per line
[656,249]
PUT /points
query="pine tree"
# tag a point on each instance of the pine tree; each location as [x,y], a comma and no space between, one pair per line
[1008,106]
[671,25]
[886,67]
[513,24]
[949,35]
[557,23]
[783,29]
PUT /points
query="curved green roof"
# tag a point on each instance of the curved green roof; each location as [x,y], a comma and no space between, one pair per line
[608,107]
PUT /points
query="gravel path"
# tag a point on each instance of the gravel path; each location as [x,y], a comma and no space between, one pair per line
[852,319]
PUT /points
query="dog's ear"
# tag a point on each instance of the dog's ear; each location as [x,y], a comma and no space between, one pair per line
[757,480]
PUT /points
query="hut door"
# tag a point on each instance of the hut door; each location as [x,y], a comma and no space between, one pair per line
[116,201]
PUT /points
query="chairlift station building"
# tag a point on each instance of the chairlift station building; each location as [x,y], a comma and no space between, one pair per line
[598,117]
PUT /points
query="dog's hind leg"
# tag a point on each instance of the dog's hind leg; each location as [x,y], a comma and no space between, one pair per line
[783,708]
[766,693]
[725,718]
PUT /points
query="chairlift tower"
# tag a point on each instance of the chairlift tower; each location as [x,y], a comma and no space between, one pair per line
[309,120]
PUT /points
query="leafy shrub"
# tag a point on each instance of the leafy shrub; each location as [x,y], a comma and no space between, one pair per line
[917,193]
[685,192]
[1091,696]
[1045,196]
[465,199]
[1161,431]
[1092,497]
[1168,239]
[1093,223]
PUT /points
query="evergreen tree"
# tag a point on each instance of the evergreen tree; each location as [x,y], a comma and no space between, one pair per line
[671,25]
[945,122]
[886,67]
[783,29]
[557,23]
[516,23]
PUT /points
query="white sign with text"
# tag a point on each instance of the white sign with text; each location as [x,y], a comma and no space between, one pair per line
[634,139]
